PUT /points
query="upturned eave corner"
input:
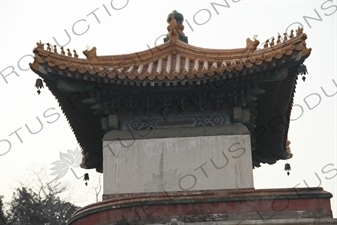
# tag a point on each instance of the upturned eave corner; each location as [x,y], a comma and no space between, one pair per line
[194,62]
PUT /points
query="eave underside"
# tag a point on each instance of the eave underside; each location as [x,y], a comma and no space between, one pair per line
[271,130]
[272,122]
[85,126]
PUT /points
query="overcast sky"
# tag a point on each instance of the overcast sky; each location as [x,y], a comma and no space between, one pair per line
[117,27]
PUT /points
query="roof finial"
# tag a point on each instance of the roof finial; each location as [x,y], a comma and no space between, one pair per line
[299,31]
[175,27]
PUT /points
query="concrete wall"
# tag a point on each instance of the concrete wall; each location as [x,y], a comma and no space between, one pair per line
[177,164]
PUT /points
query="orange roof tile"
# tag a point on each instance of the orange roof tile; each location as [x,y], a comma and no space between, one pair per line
[172,61]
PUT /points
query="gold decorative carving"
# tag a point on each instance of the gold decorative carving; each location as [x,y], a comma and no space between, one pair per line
[299,31]
[266,44]
[75,54]
[62,51]
[189,61]
[69,53]
[285,36]
[55,48]
[48,47]
[251,45]
[271,44]
[39,45]
[175,29]
[91,55]
[278,39]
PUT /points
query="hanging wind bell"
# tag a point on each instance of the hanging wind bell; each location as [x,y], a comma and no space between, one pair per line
[86,177]
[287,168]
[39,85]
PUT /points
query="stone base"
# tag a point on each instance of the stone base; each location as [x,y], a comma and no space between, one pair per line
[181,159]
[329,221]
[217,207]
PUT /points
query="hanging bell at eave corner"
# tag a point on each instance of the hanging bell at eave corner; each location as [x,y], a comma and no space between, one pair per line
[304,78]
[39,85]
[86,177]
[287,168]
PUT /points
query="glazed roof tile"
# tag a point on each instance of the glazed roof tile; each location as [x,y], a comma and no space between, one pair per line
[171,62]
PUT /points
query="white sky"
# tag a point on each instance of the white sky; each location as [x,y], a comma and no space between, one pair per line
[138,24]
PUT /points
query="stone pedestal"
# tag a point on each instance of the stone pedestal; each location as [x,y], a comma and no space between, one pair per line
[300,206]
[179,159]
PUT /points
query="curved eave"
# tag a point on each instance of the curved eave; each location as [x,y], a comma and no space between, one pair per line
[276,102]
[273,119]
[85,126]
[171,62]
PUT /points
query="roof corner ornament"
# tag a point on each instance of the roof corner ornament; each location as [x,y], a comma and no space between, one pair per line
[285,36]
[48,47]
[266,44]
[271,44]
[55,49]
[278,39]
[251,45]
[175,27]
[39,45]
[75,53]
[62,51]
[91,55]
[299,31]
[69,53]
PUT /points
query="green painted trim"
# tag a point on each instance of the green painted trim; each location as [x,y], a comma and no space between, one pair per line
[65,86]
[280,75]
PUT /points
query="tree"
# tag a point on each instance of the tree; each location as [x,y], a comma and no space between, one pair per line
[2,213]
[39,203]
[96,187]
[30,208]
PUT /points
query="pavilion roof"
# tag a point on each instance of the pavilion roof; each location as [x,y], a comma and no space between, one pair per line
[178,64]
[174,62]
